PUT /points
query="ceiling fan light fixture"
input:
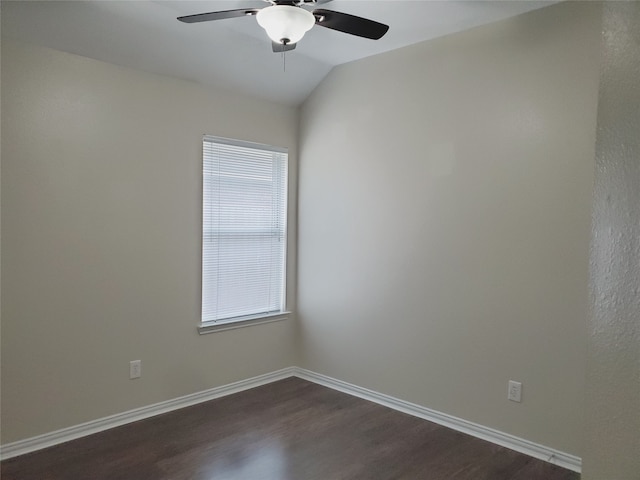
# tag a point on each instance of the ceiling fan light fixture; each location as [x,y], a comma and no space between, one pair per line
[285,24]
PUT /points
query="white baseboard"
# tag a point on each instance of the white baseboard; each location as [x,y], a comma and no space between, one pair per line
[535,450]
[71,433]
[512,442]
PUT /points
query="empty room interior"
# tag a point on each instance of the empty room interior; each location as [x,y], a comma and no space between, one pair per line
[459,241]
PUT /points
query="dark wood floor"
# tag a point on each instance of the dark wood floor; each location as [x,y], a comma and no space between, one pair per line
[287,430]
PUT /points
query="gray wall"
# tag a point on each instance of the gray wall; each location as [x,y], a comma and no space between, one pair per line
[101,210]
[613,366]
[445,200]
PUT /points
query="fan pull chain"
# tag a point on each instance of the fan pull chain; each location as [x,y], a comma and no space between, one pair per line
[284,58]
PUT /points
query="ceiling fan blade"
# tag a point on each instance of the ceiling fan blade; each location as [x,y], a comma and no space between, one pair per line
[207,17]
[343,22]
[281,47]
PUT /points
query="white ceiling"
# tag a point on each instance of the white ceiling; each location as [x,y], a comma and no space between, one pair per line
[236,53]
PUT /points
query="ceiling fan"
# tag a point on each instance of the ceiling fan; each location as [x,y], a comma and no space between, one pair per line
[286,22]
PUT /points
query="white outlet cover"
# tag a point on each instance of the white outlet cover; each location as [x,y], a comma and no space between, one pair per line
[514,392]
[135,369]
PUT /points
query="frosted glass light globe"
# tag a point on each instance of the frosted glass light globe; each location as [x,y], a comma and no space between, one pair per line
[285,24]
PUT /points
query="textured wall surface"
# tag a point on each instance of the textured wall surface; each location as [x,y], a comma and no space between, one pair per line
[101,181]
[445,211]
[613,367]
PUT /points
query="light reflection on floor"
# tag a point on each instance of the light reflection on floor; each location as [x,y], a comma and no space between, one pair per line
[264,459]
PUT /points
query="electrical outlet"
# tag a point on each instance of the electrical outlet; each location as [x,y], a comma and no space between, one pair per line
[135,369]
[514,392]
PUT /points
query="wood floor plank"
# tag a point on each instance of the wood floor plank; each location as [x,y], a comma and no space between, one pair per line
[288,430]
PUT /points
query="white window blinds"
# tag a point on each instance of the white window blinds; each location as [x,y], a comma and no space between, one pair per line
[243,229]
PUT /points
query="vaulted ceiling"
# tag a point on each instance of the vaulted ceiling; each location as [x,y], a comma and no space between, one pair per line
[236,53]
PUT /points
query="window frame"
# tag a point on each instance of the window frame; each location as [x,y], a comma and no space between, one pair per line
[211,326]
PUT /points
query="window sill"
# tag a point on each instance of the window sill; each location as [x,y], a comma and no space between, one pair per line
[222,325]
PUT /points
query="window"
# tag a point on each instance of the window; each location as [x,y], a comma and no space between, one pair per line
[244,231]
